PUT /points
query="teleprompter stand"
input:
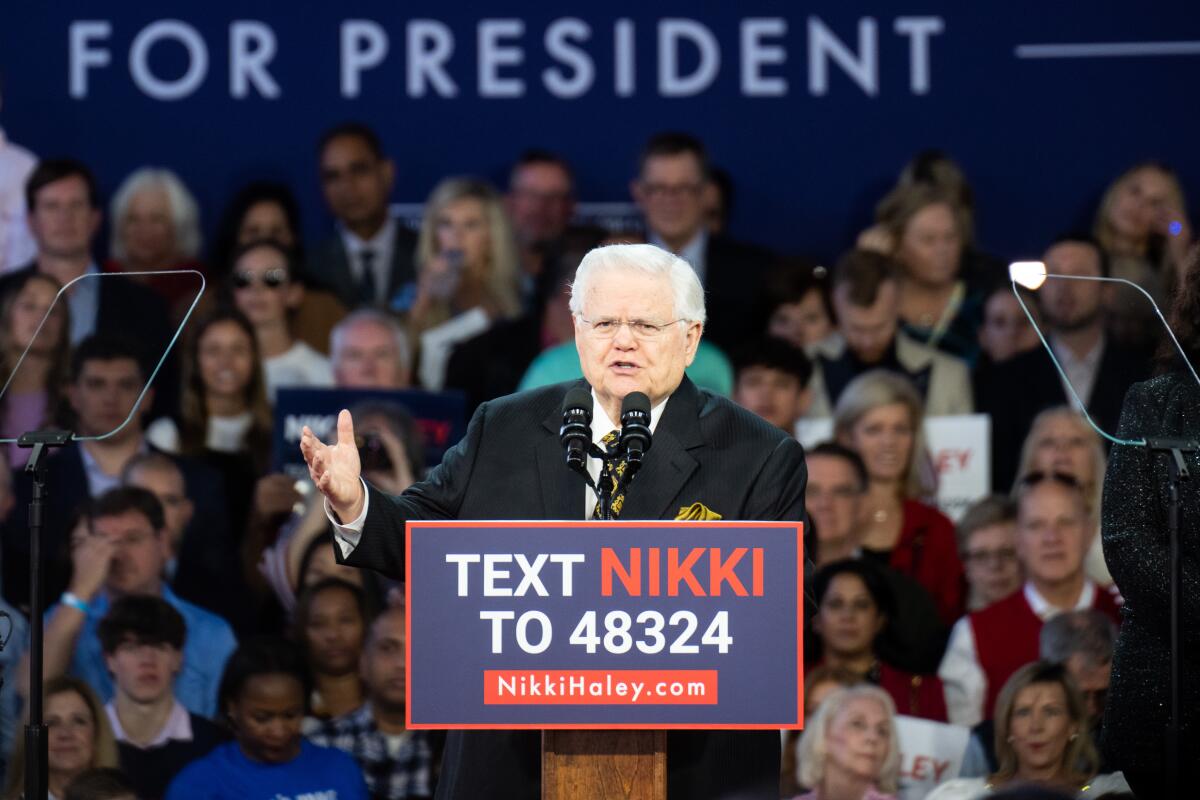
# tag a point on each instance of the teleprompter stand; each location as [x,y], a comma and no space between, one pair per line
[39,442]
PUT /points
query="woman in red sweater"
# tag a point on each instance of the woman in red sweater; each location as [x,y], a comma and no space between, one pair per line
[879,415]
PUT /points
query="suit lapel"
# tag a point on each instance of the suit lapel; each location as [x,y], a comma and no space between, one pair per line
[561,489]
[668,465]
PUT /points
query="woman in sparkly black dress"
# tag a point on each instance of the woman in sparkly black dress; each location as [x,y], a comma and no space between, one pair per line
[1136,549]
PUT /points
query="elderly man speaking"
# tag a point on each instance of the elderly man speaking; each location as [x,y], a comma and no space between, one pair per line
[639,314]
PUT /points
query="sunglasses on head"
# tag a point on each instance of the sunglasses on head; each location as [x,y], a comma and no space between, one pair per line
[272,279]
[1038,476]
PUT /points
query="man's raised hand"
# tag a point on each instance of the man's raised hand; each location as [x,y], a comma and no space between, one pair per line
[335,469]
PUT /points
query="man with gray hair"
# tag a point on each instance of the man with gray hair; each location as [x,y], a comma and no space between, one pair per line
[638,314]
[1082,641]
[369,350]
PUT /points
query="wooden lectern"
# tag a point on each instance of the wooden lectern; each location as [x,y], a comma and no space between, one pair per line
[625,765]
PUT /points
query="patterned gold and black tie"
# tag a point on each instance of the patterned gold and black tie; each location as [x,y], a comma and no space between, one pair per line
[615,472]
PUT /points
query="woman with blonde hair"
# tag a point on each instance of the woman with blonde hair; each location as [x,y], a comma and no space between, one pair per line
[1142,224]
[880,416]
[926,231]
[850,750]
[79,738]
[468,271]
[1060,440]
[1042,739]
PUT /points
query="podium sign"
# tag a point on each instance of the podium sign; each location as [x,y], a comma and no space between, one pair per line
[619,625]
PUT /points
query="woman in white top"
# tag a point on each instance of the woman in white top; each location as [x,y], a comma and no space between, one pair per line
[262,286]
[1042,738]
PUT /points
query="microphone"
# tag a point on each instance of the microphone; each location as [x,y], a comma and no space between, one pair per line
[635,428]
[576,431]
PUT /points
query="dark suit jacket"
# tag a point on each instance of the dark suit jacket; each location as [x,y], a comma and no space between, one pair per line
[510,465]
[328,267]
[1015,391]
[139,315]
[733,271]
[208,564]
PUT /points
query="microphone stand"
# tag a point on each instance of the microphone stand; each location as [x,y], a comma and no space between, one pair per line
[1177,471]
[36,786]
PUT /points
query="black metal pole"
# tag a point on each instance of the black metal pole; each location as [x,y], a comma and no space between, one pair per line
[36,786]
[1177,471]
[1175,566]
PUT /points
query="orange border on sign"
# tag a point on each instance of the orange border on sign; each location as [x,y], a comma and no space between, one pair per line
[541,523]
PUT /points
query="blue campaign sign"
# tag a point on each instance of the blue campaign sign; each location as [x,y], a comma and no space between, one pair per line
[605,625]
[439,417]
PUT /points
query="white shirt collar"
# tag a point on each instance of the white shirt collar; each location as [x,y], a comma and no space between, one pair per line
[694,252]
[178,726]
[382,240]
[602,425]
[1041,606]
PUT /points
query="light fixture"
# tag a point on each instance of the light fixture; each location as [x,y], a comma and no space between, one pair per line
[1030,274]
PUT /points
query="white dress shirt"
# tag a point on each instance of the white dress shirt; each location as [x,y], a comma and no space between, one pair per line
[1081,372]
[381,245]
[347,535]
[963,678]
[17,247]
[694,252]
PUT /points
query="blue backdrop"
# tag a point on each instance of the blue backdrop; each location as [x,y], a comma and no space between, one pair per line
[813,107]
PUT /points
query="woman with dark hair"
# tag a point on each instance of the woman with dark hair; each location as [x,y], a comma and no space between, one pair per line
[264,287]
[331,624]
[1134,529]
[1041,739]
[263,696]
[37,388]
[854,607]
[226,421]
[259,210]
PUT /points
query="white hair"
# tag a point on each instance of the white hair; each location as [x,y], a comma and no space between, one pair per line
[337,336]
[688,294]
[185,213]
[813,747]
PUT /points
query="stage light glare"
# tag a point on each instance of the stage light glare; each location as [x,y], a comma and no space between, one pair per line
[1030,274]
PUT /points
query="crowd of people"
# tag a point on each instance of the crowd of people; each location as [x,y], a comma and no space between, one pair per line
[203,641]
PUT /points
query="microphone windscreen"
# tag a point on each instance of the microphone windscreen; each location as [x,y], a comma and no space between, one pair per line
[635,401]
[578,397]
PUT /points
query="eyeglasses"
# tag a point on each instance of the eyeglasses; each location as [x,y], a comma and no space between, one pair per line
[272,279]
[997,558]
[640,328]
[656,190]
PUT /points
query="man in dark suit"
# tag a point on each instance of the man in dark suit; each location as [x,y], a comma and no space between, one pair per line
[637,328]
[670,189]
[371,258]
[1099,369]
[64,217]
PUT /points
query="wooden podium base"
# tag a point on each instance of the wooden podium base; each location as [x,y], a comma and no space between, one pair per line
[624,765]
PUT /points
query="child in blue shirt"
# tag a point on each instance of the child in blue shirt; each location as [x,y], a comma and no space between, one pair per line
[264,693]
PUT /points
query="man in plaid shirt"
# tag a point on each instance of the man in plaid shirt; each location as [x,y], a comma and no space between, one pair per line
[396,763]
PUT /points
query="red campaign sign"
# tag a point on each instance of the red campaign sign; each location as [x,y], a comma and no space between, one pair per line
[605,625]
